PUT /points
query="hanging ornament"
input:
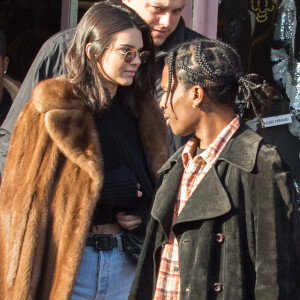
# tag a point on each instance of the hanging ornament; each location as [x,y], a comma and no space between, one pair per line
[262,13]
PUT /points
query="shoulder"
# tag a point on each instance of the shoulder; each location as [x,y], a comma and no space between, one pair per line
[61,38]
[269,158]
[55,93]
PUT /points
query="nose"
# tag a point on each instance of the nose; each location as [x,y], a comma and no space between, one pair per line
[165,20]
[136,60]
[163,103]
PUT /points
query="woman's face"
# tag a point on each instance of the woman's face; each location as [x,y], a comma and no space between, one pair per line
[183,118]
[111,65]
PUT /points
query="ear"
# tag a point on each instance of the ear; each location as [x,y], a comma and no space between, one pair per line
[198,95]
[5,63]
[87,50]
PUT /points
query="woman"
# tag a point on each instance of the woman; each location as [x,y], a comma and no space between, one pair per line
[82,166]
[224,223]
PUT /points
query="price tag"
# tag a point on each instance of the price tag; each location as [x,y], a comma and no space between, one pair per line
[277,120]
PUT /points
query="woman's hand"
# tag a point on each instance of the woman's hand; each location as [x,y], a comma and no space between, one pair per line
[128,222]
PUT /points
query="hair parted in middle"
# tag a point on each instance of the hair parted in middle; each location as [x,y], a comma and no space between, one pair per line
[216,67]
[98,26]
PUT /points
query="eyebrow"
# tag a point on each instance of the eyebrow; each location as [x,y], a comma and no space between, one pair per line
[166,7]
[129,46]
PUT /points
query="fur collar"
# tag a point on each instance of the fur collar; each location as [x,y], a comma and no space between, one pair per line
[71,125]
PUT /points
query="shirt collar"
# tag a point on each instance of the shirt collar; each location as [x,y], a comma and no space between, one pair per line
[213,151]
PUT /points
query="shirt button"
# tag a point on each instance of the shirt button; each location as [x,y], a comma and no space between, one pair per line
[218,287]
[185,241]
[220,238]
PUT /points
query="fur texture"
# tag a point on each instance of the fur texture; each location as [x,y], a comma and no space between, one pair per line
[51,182]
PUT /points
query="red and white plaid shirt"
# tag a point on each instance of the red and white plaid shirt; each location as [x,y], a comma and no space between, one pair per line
[195,168]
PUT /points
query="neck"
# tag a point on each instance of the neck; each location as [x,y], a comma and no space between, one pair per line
[211,125]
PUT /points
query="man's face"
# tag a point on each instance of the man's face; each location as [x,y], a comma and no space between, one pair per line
[161,15]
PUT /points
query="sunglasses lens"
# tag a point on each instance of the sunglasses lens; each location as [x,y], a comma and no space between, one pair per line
[144,56]
[129,57]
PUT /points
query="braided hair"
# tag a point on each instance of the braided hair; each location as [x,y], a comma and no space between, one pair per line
[216,67]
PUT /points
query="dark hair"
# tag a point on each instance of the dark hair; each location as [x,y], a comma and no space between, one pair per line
[98,26]
[216,67]
[2,45]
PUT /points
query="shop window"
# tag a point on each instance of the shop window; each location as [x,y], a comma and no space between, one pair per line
[27,24]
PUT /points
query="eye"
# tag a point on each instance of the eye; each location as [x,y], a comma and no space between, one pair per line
[125,50]
[178,11]
[157,9]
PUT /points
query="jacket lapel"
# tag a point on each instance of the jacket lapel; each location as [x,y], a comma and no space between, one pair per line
[209,200]
[76,139]
[163,206]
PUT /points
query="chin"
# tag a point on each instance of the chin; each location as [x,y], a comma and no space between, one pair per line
[181,132]
[158,42]
[127,83]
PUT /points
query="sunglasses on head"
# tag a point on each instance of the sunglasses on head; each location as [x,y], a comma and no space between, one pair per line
[129,56]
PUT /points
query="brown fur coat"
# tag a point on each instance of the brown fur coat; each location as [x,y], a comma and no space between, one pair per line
[51,182]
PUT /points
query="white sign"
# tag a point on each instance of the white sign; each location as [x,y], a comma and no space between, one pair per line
[277,120]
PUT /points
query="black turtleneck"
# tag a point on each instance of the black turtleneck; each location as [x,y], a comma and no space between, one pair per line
[124,165]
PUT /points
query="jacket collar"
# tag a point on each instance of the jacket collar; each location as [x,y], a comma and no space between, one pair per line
[210,199]
[71,126]
[240,151]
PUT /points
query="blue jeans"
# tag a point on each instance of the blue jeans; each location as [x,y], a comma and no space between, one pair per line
[104,275]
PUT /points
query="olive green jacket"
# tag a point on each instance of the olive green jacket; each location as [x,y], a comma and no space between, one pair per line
[238,234]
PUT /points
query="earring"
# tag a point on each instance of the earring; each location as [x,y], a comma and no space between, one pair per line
[194,106]
[4,71]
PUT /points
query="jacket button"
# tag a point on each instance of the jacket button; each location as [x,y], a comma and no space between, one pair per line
[218,287]
[220,238]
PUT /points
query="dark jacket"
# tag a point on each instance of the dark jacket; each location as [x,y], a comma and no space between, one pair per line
[49,63]
[51,183]
[238,234]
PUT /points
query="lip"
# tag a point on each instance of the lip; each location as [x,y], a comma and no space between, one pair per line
[131,73]
[167,119]
[159,32]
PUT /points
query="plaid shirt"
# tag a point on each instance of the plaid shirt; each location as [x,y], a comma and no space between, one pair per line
[195,168]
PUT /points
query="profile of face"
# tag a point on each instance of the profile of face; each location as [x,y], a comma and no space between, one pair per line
[113,65]
[161,15]
[178,110]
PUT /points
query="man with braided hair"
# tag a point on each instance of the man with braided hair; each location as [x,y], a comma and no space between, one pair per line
[224,222]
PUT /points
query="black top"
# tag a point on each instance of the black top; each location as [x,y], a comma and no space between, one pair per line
[124,166]
[5,105]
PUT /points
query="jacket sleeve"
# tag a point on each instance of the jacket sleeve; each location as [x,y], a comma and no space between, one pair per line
[48,63]
[276,229]
[20,217]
